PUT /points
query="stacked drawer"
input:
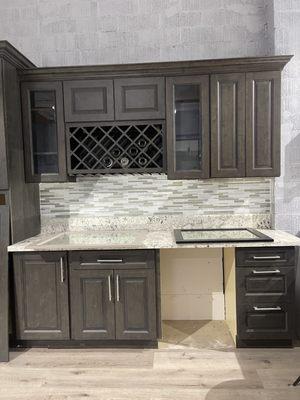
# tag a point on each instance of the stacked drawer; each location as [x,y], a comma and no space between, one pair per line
[265,281]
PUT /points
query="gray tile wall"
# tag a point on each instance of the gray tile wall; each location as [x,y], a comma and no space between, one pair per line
[150,195]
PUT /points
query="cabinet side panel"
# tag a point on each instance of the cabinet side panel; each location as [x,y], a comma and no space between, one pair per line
[3,154]
[25,199]
[230,290]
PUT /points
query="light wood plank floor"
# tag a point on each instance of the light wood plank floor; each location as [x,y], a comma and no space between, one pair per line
[194,361]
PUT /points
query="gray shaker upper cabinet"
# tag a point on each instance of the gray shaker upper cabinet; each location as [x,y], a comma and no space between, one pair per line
[263,124]
[139,98]
[227,105]
[89,100]
[43,131]
[188,126]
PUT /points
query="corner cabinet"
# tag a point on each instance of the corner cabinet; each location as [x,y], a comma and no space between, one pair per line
[187,99]
[44,132]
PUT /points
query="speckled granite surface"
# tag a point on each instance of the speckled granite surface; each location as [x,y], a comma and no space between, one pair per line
[133,239]
[155,223]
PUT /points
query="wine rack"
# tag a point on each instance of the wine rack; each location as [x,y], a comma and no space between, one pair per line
[116,147]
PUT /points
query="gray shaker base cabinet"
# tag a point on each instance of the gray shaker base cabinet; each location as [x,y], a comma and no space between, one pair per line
[41,296]
[99,296]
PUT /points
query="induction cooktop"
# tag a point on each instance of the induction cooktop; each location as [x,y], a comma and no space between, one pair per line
[220,235]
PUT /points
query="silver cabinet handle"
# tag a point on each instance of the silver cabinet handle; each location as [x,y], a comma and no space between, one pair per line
[109,288]
[269,272]
[266,257]
[62,270]
[101,262]
[118,288]
[267,308]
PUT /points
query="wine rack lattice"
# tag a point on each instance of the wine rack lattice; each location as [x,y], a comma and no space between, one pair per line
[115,148]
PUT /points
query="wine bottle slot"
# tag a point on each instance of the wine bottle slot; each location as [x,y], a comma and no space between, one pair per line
[108,162]
[142,143]
[133,151]
[142,161]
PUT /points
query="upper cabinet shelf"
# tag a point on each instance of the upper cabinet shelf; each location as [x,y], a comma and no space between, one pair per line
[212,119]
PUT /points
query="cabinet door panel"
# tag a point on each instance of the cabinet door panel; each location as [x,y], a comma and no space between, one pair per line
[228,125]
[188,127]
[139,98]
[41,290]
[263,124]
[135,304]
[92,305]
[44,133]
[90,100]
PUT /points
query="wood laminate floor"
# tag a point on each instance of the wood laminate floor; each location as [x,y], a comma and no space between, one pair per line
[194,361]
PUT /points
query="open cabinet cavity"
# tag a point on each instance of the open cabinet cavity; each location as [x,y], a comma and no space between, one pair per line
[193,299]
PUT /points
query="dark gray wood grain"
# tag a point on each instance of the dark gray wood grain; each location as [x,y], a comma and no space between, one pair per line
[203,82]
[192,67]
[89,100]
[139,98]
[31,176]
[3,147]
[24,198]
[227,108]
[135,306]
[92,304]
[41,296]
[263,123]
[4,242]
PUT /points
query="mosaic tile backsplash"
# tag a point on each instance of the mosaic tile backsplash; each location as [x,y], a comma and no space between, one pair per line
[154,195]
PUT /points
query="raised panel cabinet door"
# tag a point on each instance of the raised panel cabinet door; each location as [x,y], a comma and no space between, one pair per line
[41,296]
[89,100]
[263,124]
[135,304]
[187,116]
[139,98]
[44,132]
[227,105]
[92,304]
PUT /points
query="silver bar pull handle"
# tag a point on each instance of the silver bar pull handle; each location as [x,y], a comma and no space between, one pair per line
[62,270]
[109,288]
[87,264]
[267,308]
[267,272]
[266,257]
[118,287]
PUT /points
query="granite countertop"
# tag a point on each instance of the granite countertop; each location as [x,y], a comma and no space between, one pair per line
[134,239]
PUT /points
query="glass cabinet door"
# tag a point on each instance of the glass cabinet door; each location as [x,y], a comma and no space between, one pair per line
[43,129]
[187,127]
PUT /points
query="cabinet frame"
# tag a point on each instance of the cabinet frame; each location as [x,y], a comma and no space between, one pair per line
[203,82]
[30,175]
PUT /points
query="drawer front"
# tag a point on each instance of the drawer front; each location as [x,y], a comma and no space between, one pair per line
[265,284]
[265,256]
[139,98]
[126,259]
[265,321]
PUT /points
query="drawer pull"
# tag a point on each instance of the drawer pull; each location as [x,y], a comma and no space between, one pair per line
[118,288]
[267,308]
[109,288]
[62,270]
[101,262]
[266,257]
[269,272]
